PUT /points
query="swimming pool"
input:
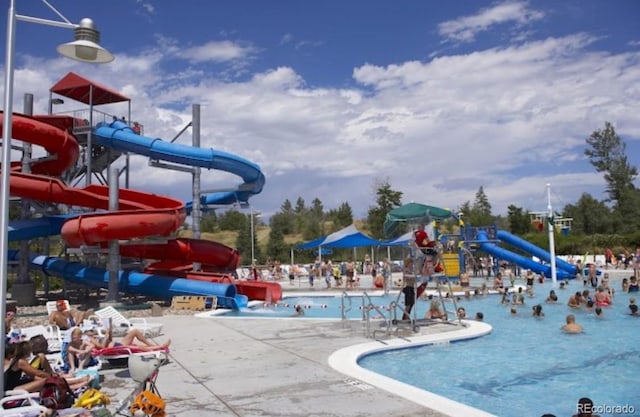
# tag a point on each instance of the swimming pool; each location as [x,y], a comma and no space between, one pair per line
[320,307]
[528,366]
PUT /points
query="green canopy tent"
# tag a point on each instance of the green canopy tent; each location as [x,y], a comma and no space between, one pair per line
[414,213]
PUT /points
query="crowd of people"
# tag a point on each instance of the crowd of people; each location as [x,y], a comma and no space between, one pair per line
[29,362]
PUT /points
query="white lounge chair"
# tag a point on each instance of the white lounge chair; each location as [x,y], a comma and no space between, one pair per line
[28,404]
[121,325]
[52,333]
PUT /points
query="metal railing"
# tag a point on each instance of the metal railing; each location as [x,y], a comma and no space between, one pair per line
[367,307]
[344,309]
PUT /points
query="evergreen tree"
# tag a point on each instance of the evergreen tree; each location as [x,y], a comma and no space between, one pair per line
[518,219]
[287,218]
[243,242]
[589,215]
[316,216]
[341,217]
[232,220]
[386,200]
[478,214]
[276,247]
[606,153]
[209,222]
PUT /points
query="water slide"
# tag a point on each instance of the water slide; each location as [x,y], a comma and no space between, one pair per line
[536,251]
[522,261]
[119,136]
[140,215]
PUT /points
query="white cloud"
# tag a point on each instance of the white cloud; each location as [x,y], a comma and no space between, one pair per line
[218,51]
[510,119]
[286,38]
[466,28]
[147,6]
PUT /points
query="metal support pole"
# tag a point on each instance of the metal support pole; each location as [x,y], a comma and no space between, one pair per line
[552,246]
[6,163]
[23,270]
[253,247]
[114,245]
[196,213]
[89,149]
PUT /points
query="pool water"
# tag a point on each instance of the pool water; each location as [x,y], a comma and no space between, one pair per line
[321,307]
[527,366]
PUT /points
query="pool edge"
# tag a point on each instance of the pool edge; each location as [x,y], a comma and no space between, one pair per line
[346,359]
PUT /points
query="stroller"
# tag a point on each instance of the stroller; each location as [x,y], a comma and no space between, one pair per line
[145,400]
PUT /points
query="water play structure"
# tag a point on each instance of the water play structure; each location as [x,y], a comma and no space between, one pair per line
[143,223]
[458,248]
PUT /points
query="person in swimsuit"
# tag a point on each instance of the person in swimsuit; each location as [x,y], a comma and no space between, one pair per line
[39,348]
[552,298]
[18,373]
[585,408]
[299,311]
[633,307]
[133,335]
[350,272]
[602,298]
[571,326]
[66,318]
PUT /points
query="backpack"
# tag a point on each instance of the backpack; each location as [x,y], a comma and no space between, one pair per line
[56,393]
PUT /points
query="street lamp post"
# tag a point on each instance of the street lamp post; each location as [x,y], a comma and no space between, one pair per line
[54,101]
[84,48]
[253,231]
[253,248]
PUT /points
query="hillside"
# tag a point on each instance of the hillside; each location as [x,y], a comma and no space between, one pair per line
[229,237]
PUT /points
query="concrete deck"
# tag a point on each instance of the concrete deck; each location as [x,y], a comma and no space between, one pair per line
[281,367]
[253,367]
[273,367]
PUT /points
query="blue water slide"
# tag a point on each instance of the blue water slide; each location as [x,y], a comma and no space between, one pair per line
[524,262]
[131,282]
[118,135]
[535,251]
[139,283]
[35,228]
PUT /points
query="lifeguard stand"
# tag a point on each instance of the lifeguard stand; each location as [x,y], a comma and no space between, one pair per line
[447,255]
[561,224]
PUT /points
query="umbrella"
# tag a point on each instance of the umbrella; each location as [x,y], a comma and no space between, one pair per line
[414,212]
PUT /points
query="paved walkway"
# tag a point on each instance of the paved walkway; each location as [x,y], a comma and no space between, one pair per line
[253,367]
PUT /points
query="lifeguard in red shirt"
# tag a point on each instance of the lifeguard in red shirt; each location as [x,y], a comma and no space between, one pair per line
[428,265]
[422,241]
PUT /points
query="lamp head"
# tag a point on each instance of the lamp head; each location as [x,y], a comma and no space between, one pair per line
[85,47]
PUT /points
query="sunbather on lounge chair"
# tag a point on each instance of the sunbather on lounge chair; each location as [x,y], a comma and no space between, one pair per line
[134,337]
[66,318]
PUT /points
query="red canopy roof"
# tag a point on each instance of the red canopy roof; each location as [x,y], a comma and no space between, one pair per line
[86,91]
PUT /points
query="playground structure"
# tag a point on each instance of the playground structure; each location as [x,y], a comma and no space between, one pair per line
[456,251]
[128,225]
[450,257]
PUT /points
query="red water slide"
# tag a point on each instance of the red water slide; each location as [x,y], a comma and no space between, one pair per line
[140,214]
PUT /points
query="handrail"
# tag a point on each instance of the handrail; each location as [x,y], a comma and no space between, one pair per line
[366,312]
[344,310]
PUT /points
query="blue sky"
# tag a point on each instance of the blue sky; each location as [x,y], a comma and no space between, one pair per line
[332,97]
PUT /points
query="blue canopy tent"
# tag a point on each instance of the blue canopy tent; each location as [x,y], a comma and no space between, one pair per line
[403,240]
[349,237]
